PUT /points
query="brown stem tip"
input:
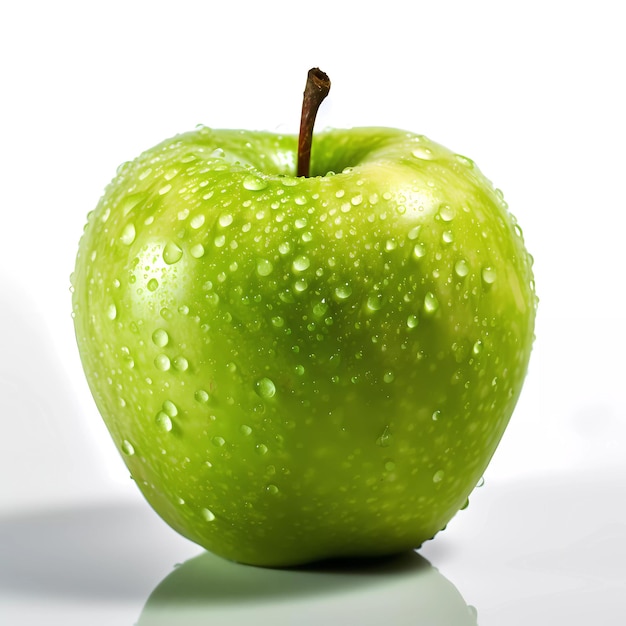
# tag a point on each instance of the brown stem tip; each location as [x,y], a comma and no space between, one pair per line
[317,88]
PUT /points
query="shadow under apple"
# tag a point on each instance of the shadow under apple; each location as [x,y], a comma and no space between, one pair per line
[402,589]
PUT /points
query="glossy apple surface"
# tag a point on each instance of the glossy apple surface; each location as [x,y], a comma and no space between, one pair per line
[302,368]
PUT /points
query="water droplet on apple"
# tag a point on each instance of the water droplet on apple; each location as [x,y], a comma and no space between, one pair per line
[301,263]
[477,348]
[172,253]
[207,515]
[320,308]
[419,250]
[245,430]
[261,449]
[218,441]
[201,396]
[164,422]
[488,275]
[264,267]
[162,362]
[463,160]
[301,285]
[180,363]
[412,321]
[461,268]
[272,489]
[170,408]
[431,304]
[153,284]
[127,448]
[254,183]
[284,247]
[356,200]
[160,338]
[436,415]
[343,292]
[389,377]
[481,482]
[165,189]
[438,476]
[423,153]
[375,302]
[465,504]
[197,221]
[197,251]
[128,234]
[447,236]
[414,232]
[265,388]
[278,321]
[385,439]
[446,213]
[111,311]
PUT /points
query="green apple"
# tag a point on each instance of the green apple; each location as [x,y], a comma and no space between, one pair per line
[298,368]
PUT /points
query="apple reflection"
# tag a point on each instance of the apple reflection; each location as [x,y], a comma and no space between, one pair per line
[405,589]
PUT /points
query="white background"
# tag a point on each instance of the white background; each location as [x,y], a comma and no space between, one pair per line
[533,92]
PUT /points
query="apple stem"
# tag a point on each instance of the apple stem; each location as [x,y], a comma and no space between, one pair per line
[317,88]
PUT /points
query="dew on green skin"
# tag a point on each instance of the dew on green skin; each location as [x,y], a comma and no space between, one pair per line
[446,213]
[264,267]
[414,232]
[226,219]
[162,362]
[477,348]
[419,250]
[180,363]
[436,415]
[197,221]
[128,234]
[424,154]
[374,302]
[301,285]
[320,308]
[207,515]
[438,476]
[160,338]
[301,263]
[128,448]
[261,449]
[265,388]
[461,268]
[111,311]
[254,183]
[385,439]
[170,408]
[343,292]
[172,253]
[245,430]
[412,321]
[488,275]
[278,321]
[197,251]
[272,489]
[201,396]
[431,304]
[153,284]
[218,441]
[389,377]
[164,422]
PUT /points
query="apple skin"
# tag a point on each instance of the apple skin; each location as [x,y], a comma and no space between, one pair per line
[296,369]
